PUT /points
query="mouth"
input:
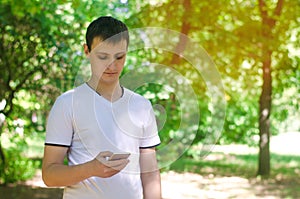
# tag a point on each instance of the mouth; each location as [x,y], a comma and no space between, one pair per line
[110,73]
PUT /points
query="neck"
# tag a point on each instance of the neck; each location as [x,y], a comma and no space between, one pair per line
[110,91]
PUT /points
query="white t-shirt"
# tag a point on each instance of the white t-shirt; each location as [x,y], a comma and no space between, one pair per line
[87,123]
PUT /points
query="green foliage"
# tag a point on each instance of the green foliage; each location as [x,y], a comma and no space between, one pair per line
[230,31]
[35,54]
[17,167]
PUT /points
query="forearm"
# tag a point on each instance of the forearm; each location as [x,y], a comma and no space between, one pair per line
[151,185]
[64,175]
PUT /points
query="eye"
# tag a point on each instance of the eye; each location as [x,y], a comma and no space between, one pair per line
[102,57]
[120,57]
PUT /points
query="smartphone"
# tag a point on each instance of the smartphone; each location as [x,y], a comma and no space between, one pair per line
[118,156]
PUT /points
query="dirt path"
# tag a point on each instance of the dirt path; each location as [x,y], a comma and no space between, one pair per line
[192,186]
[175,186]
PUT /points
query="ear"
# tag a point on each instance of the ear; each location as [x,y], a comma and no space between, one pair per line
[86,50]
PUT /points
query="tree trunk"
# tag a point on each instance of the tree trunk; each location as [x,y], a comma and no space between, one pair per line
[2,156]
[264,118]
[185,28]
[265,101]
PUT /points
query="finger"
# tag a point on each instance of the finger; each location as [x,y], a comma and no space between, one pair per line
[120,167]
[105,154]
[110,171]
[117,164]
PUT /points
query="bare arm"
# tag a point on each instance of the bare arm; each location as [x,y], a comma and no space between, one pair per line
[150,174]
[55,173]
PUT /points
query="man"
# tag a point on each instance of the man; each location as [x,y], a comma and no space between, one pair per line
[91,122]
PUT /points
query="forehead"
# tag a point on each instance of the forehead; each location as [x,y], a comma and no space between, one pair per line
[99,45]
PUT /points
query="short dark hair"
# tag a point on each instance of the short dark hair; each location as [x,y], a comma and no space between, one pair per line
[106,28]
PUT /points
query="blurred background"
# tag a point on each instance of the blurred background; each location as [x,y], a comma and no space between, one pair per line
[254,44]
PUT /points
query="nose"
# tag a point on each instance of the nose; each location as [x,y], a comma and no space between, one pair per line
[111,64]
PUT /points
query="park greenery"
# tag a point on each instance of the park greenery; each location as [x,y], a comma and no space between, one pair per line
[254,45]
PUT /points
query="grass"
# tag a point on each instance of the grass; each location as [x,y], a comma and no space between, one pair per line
[219,163]
[237,165]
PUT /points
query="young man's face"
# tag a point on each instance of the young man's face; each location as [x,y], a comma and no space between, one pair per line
[107,59]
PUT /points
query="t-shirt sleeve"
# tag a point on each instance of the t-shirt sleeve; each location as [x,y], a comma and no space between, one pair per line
[150,134]
[59,128]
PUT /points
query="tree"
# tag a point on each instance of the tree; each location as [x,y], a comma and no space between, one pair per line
[34,58]
[268,25]
[248,41]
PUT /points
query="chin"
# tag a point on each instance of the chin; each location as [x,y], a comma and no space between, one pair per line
[109,80]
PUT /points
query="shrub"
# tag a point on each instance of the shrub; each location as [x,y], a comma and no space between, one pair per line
[17,166]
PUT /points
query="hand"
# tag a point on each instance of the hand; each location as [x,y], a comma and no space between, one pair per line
[104,168]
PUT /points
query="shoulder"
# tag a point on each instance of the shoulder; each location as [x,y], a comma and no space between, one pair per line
[136,98]
[67,96]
